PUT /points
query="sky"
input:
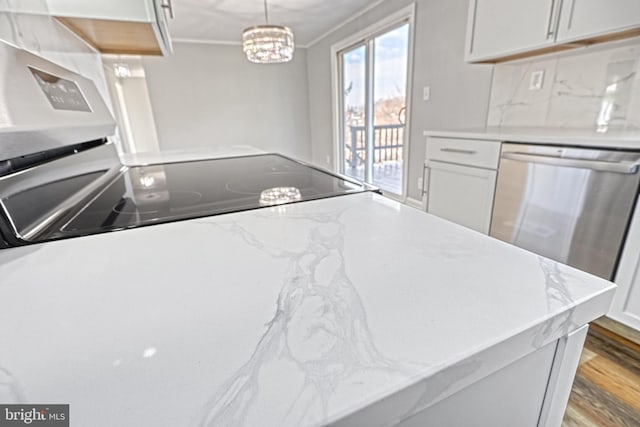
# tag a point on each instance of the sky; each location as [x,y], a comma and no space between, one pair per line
[390,67]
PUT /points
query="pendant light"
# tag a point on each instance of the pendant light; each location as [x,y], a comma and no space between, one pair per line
[268,44]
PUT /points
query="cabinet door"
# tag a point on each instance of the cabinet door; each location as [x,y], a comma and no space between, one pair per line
[112,10]
[510,397]
[591,18]
[626,302]
[461,194]
[164,11]
[504,27]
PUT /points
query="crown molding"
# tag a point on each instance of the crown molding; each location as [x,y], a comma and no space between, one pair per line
[221,42]
[343,23]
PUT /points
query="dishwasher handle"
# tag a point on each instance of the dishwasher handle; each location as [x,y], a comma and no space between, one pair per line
[597,165]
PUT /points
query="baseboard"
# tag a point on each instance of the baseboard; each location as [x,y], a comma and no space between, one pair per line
[414,203]
[619,328]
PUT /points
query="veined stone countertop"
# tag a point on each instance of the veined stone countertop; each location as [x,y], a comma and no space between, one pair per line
[353,310]
[544,135]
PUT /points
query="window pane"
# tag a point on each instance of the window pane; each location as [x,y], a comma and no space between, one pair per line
[353,102]
[389,97]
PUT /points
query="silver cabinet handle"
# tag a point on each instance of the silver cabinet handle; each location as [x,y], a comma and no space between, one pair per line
[549,31]
[168,6]
[573,6]
[457,150]
[554,15]
[473,26]
[597,165]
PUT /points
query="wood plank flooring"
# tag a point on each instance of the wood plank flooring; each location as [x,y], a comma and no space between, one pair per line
[606,391]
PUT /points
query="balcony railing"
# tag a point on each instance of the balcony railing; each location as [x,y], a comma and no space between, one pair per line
[387,144]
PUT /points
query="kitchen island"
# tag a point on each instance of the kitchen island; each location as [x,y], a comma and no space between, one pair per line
[351,311]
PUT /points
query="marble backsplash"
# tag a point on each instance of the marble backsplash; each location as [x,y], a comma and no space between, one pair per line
[596,88]
[26,24]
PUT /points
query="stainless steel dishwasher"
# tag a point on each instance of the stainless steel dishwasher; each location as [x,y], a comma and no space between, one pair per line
[569,204]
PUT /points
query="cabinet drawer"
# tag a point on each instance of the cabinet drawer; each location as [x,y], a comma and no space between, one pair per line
[471,152]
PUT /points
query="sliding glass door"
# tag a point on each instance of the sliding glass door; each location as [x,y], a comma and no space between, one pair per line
[373,99]
[354,112]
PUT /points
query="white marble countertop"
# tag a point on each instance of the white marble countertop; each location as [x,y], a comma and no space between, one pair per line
[545,135]
[354,310]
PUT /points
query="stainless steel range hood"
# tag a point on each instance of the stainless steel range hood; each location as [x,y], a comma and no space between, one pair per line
[44,106]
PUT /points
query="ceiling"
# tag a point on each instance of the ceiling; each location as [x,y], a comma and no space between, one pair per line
[224,20]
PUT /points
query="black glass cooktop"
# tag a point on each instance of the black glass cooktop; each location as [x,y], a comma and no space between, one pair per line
[155,194]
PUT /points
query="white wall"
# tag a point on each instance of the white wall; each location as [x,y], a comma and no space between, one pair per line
[132,104]
[459,91]
[210,96]
[142,129]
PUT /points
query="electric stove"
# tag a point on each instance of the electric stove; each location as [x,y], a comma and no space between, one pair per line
[89,192]
[61,176]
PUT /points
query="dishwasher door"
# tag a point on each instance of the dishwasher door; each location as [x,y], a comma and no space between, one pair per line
[569,204]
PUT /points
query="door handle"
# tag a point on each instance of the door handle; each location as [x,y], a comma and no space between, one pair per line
[425,179]
[597,165]
[426,176]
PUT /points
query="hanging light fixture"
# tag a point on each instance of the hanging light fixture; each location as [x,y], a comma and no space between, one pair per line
[268,44]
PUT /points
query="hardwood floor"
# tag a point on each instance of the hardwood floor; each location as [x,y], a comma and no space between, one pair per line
[606,391]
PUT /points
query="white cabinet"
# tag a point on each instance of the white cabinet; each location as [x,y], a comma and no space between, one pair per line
[593,18]
[511,396]
[460,180]
[499,28]
[461,194]
[532,391]
[506,29]
[626,302]
[118,26]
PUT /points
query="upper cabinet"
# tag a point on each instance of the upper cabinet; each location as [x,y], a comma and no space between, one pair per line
[507,29]
[118,26]
[500,28]
[582,19]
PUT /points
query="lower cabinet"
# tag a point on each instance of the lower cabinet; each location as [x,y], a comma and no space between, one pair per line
[460,179]
[626,303]
[531,392]
[461,194]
